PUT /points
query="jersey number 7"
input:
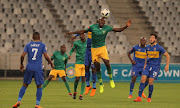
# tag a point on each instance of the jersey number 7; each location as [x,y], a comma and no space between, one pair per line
[35,50]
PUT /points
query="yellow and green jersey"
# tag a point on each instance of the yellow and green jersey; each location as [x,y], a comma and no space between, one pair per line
[59,60]
[98,34]
[80,51]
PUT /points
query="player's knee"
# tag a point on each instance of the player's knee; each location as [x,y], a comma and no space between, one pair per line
[150,82]
[83,79]
[64,78]
[50,78]
[87,69]
[77,79]
[133,80]
[39,86]
[25,85]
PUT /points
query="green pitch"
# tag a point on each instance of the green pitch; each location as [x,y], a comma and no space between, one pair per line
[55,95]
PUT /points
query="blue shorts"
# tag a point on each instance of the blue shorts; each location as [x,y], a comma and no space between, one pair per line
[88,58]
[136,71]
[38,75]
[151,71]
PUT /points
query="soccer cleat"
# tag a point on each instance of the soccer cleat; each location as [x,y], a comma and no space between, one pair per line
[112,83]
[93,92]
[138,99]
[37,106]
[148,100]
[17,104]
[101,88]
[70,94]
[87,90]
[143,95]
[80,97]
[130,96]
[74,95]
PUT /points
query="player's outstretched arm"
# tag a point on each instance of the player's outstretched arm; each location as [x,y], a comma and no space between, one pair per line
[22,60]
[76,32]
[167,61]
[123,28]
[48,59]
[129,56]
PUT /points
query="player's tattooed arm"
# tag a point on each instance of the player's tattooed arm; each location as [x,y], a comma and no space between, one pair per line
[22,60]
[129,56]
[123,28]
[48,59]
[167,61]
[76,32]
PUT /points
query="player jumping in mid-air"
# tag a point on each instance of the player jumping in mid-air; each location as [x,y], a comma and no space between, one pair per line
[137,63]
[98,48]
[88,64]
[34,49]
[60,60]
[152,66]
[80,47]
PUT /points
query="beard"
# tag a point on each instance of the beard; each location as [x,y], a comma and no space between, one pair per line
[153,42]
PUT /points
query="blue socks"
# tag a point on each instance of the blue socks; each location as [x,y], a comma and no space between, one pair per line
[131,88]
[141,88]
[87,75]
[21,93]
[151,87]
[38,95]
[94,79]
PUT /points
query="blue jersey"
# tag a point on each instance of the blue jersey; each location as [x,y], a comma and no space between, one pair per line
[154,54]
[139,56]
[35,51]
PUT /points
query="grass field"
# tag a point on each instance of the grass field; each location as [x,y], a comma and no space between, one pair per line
[165,95]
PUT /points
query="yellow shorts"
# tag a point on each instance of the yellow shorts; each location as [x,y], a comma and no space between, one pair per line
[55,72]
[79,70]
[98,53]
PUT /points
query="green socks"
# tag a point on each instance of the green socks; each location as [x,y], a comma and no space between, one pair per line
[110,73]
[67,86]
[75,86]
[99,77]
[82,87]
[45,84]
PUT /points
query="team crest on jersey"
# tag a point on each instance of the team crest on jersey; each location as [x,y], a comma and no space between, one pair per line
[64,58]
[154,49]
[70,72]
[148,48]
[139,49]
[104,32]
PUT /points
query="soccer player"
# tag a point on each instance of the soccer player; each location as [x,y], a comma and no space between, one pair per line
[137,63]
[60,60]
[152,66]
[88,64]
[98,48]
[34,49]
[80,46]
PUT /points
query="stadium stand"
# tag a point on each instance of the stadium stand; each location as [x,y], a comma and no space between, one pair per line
[52,18]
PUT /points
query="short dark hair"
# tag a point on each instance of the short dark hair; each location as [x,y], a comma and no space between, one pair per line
[154,35]
[36,36]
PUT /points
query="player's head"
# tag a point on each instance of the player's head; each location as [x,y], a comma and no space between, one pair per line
[36,36]
[153,38]
[63,48]
[82,37]
[101,21]
[143,41]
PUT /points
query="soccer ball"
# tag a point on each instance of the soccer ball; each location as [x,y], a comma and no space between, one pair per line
[105,13]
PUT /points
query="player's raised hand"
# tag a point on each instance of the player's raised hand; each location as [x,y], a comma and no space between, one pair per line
[128,23]
[21,67]
[166,68]
[66,34]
